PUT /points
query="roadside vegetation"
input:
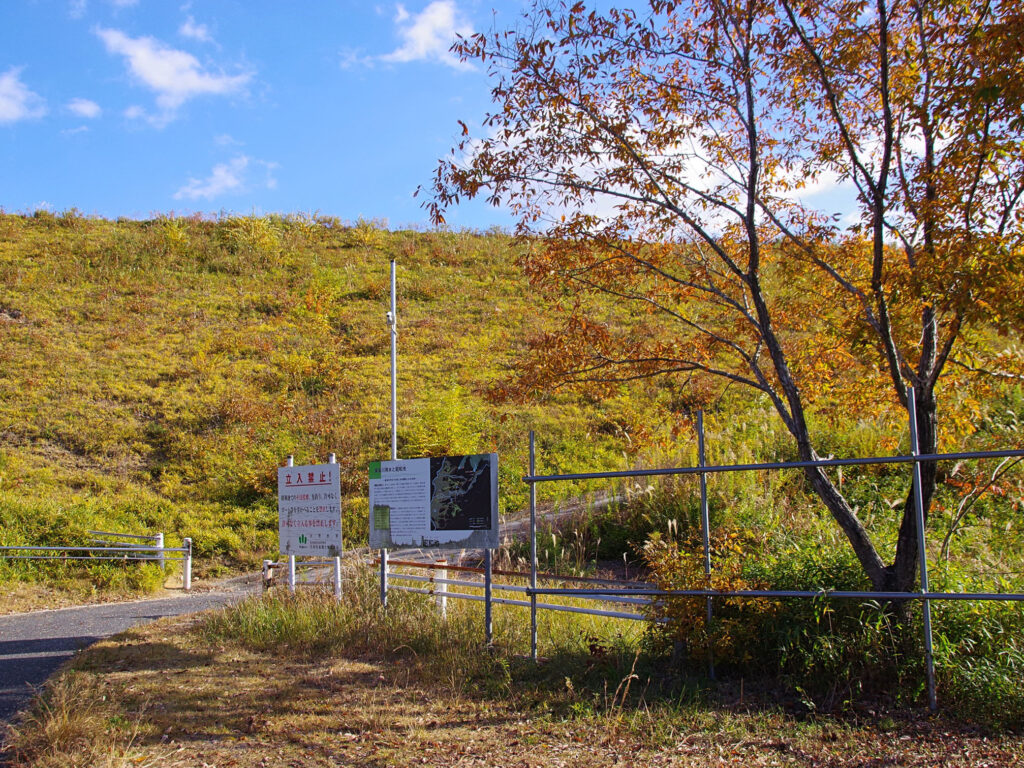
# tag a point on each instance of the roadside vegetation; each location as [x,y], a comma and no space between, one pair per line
[281,680]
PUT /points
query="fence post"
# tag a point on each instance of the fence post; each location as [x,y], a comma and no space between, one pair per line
[337,579]
[267,574]
[186,569]
[705,528]
[922,556]
[533,548]
[291,574]
[488,606]
[158,540]
[441,590]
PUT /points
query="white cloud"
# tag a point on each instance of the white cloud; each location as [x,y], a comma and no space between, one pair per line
[17,102]
[353,57]
[176,76]
[85,108]
[234,176]
[428,35]
[195,31]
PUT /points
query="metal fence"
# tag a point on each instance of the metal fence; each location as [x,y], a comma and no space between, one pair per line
[121,547]
[643,594]
[702,470]
[609,591]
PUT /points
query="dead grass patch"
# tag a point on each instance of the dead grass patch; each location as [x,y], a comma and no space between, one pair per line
[22,597]
[164,695]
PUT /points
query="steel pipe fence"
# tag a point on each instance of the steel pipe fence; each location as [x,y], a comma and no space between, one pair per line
[394,576]
[916,459]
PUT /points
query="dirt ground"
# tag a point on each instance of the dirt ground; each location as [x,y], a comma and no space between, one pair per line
[160,695]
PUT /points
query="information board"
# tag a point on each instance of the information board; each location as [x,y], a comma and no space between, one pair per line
[309,510]
[449,502]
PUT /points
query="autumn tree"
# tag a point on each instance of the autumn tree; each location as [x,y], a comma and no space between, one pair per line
[667,159]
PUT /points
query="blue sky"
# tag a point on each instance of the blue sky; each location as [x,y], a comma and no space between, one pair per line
[143,107]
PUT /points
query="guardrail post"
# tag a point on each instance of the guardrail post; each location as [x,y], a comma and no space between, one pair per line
[440,589]
[158,540]
[267,574]
[186,565]
[291,574]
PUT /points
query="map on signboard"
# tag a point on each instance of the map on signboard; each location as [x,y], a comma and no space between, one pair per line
[460,496]
[445,501]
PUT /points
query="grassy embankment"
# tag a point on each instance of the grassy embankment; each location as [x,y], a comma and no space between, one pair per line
[155,374]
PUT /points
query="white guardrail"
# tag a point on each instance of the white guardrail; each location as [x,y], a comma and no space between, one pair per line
[440,582]
[119,547]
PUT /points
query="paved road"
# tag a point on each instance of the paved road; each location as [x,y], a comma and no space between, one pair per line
[33,645]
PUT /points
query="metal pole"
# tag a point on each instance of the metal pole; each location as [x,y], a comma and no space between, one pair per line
[291,558]
[159,542]
[533,547]
[393,325]
[186,569]
[488,610]
[929,658]
[333,459]
[441,590]
[337,579]
[705,527]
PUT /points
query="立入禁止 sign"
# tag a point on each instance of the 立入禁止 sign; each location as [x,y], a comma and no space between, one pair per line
[309,510]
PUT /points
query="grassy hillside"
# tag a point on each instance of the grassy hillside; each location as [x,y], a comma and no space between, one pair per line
[155,374]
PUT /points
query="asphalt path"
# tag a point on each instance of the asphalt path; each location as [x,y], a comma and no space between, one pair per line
[33,645]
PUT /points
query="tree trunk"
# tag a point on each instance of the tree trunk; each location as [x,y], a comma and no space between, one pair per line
[901,576]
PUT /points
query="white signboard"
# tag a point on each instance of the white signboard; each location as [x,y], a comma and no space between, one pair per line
[309,510]
[445,501]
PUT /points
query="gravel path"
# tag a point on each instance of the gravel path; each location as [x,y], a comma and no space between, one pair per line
[33,645]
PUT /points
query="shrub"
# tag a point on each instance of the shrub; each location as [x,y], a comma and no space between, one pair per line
[734,637]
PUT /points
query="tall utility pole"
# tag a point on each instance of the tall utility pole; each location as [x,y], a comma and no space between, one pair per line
[393,326]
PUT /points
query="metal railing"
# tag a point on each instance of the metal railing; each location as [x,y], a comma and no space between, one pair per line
[440,583]
[113,550]
[622,595]
[924,594]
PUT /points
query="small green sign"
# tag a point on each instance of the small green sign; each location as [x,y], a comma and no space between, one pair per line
[375,470]
[381,517]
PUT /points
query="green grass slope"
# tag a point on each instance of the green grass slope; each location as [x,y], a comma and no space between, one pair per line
[153,375]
